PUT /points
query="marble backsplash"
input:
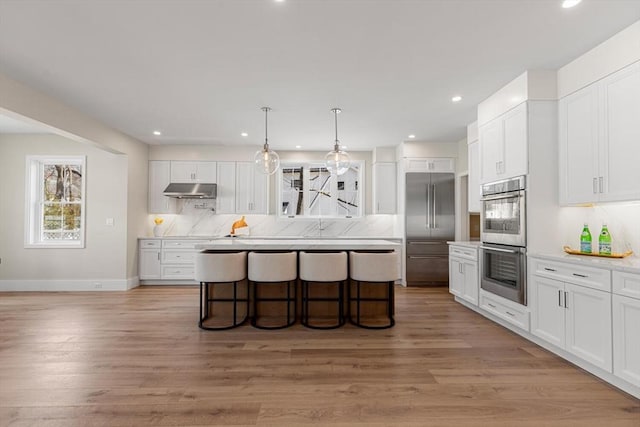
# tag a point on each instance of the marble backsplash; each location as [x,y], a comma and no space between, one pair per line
[622,219]
[203,222]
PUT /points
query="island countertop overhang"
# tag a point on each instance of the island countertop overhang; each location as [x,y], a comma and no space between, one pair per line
[299,244]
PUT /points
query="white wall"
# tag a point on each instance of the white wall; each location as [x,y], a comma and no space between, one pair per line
[22,102]
[104,257]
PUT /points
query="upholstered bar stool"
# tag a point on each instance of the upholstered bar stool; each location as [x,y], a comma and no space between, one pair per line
[269,269]
[323,267]
[374,268]
[222,268]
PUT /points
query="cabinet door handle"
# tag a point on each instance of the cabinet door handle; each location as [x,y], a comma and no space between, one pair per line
[491,305]
[510,314]
[601,184]
[158,256]
[595,185]
[559,298]
[565,299]
[549,269]
[580,275]
[378,207]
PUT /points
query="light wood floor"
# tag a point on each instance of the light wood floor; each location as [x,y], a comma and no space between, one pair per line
[137,358]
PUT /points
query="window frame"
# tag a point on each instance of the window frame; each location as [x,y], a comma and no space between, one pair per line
[34,203]
[333,186]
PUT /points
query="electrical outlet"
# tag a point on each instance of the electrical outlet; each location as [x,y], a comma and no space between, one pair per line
[109,222]
[97,285]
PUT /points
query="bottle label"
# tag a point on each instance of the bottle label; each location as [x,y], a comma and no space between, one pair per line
[605,248]
[585,247]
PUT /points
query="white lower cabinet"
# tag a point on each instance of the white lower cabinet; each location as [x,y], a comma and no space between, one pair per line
[463,273]
[167,259]
[149,263]
[626,326]
[507,310]
[574,318]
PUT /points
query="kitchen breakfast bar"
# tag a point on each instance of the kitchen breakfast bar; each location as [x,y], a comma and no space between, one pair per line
[273,282]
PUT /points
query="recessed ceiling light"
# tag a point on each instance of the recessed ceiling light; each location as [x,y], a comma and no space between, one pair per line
[456,98]
[412,136]
[244,134]
[279,1]
[570,3]
[298,146]
[157,133]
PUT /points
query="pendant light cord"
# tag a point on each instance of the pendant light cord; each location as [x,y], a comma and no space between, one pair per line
[336,146]
[266,128]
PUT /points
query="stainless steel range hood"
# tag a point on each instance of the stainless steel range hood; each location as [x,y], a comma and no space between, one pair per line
[191,191]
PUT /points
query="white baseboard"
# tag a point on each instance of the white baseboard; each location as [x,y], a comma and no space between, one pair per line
[133,282]
[96,285]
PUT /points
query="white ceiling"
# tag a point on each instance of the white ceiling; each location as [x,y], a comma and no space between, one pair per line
[200,70]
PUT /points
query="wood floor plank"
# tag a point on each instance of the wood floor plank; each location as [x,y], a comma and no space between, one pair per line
[137,358]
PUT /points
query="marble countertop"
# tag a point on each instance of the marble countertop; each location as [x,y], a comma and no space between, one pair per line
[630,264]
[210,237]
[300,244]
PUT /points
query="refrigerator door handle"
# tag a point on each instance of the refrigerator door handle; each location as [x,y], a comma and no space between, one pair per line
[433,202]
[428,218]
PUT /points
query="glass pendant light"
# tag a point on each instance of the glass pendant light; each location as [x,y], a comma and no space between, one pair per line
[337,161]
[266,161]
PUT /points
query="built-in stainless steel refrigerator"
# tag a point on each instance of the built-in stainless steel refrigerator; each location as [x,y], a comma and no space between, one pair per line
[430,222]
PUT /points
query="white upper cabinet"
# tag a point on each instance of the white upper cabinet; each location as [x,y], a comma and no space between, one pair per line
[474,192]
[251,189]
[226,180]
[599,133]
[621,135]
[578,124]
[436,164]
[189,171]
[159,178]
[503,146]
[384,188]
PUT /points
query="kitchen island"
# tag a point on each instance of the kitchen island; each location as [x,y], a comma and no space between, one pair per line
[320,290]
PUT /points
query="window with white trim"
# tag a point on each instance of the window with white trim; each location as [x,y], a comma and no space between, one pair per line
[55,202]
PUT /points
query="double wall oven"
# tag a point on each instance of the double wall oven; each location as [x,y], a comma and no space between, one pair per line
[503,234]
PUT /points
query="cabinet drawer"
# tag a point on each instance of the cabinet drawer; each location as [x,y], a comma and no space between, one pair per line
[595,278]
[463,252]
[181,244]
[149,244]
[627,284]
[178,256]
[514,315]
[181,272]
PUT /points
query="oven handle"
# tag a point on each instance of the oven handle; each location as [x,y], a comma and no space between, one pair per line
[509,251]
[503,196]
